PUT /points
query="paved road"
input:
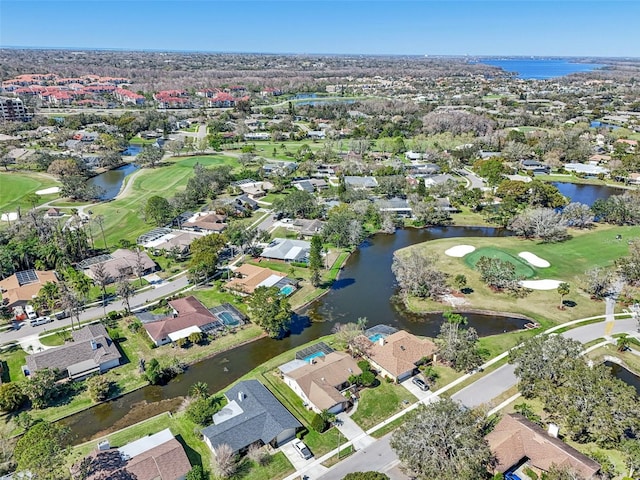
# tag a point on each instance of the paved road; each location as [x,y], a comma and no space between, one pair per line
[380,457]
[493,384]
[139,300]
[474,180]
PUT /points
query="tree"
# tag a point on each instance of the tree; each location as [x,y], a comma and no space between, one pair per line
[542,363]
[443,440]
[543,223]
[196,473]
[158,209]
[41,389]
[102,278]
[42,451]
[563,289]
[99,219]
[153,372]
[7,446]
[629,265]
[460,281]
[270,310]
[598,282]
[224,462]
[99,387]
[578,215]
[204,256]
[150,156]
[125,291]
[11,397]
[458,345]
[343,228]
[491,169]
[297,204]
[365,476]
[196,338]
[199,390]
[498,274]
[315,259]
[202,409]
[416,275]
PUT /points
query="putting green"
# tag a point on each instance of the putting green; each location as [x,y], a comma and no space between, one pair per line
[522,269]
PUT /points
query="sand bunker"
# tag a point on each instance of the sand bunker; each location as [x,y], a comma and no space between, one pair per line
[47,191]
[459,250]
[541,284]
[534,260]
[9,217]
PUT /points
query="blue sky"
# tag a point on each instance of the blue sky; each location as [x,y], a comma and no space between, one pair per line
[446,27]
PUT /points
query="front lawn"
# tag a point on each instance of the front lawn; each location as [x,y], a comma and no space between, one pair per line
[379,403]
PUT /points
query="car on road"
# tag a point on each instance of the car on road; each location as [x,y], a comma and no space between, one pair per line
[421,384]
[302,449]
[41,321]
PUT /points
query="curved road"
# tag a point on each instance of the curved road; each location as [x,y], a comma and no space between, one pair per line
[380,457]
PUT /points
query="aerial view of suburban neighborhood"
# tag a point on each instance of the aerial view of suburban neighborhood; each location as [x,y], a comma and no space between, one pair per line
[308,266]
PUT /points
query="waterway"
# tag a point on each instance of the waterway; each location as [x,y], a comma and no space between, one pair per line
[540,68]
[365,288]
[110,182]
[625,375]
[585,193]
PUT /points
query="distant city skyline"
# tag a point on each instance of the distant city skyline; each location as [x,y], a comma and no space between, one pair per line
[569,28]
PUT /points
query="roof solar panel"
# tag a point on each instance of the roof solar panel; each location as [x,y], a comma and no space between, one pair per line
[27,276]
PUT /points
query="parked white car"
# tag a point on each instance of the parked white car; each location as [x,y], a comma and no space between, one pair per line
[31,313]
[41,321]
[302,449]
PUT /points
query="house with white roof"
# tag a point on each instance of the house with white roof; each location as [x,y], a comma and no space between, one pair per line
[287,250]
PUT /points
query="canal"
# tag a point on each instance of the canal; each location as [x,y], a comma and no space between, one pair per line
[365,288]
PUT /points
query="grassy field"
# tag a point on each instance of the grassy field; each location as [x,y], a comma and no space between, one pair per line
[15,186]
[122,217]
[379,403]
[522,268]
[569,261]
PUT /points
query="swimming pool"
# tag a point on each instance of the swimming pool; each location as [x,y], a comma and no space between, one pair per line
[312,356]
[287,290]
[376,337]
[228,319]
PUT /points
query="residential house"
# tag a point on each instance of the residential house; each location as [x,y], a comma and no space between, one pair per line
[307,228]
[398,206]
[398,355]
[586,169]
[247,278]
[210,222]
[360,183]
[287,250]
[534,167]
[252,416]
[189,316]
[167,239]
[438,180]
[518,444]
[281,168]
[120,263]
[20,288]
[321,379]
[92,351]
[155,457]
[128,97]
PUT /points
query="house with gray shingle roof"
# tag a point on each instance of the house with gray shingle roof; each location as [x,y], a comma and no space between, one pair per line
[252,415]
[287,250]
[360,183]
[92,351]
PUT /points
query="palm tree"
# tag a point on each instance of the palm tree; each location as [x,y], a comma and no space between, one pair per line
[100,221]
[563,289]
[126,291]
[199,390]
[623,343]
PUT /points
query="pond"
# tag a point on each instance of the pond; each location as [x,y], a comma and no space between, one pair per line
[365,289]
[625,375]
[110,181]
[584,193]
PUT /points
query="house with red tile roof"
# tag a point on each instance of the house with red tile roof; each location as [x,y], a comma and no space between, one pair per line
[189,316]
[519,444]
[127,96]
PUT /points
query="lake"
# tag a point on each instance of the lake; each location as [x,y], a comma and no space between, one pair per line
[584,193]
[539,68]
[110,181]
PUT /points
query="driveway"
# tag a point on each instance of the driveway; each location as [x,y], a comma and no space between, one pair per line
[415,390]
[300,463]
[352,431]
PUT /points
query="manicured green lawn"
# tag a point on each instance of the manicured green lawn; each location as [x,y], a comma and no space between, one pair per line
[15,186]
[321,443]
[379,403]
[53,340]
[277,467]
[122,217]
[569,261]
[14,357]
[522,269]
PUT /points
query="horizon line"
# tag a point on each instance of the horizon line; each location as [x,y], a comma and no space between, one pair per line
[229,52]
